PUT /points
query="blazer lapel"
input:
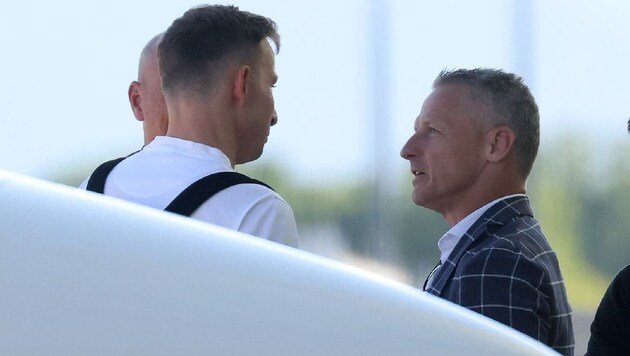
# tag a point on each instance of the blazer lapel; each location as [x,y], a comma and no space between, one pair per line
[497,215]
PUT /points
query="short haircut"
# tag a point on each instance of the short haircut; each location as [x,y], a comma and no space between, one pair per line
[149,52]
[198,45]
[509,101]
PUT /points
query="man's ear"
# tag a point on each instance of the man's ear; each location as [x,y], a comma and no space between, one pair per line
[239,90]
[135,99]
[500,141]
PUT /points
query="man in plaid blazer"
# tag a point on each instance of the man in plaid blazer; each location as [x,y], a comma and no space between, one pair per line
[474,145]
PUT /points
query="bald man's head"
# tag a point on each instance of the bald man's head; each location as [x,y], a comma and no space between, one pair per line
[145,94]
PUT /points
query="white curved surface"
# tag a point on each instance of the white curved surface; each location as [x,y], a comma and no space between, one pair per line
[84,274]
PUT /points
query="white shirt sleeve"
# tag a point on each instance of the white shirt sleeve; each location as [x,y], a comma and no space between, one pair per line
[254,210]
[271,218]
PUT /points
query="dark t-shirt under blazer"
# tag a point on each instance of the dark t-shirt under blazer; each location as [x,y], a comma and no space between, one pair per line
[504,268]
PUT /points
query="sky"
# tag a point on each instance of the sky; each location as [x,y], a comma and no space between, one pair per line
[352,75]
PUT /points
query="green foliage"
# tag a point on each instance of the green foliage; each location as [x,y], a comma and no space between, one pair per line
[606,226]
[582,210]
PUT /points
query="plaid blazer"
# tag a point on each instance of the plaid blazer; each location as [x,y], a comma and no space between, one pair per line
[504,268]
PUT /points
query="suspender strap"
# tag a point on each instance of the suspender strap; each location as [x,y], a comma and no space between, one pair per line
[96,183]
[203,189]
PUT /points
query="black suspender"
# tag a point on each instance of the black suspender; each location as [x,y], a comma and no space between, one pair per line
[96,183]
[197,193]
[191,198]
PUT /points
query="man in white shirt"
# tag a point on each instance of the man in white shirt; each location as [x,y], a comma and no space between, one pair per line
[218,69]
[474,145]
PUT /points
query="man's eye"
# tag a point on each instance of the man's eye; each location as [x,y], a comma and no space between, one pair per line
[433,130]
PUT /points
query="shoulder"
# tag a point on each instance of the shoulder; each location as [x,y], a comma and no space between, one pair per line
[255,192]
[241,200]
[501,263]
[619,290]
[520,235]
[258,211]
[623,276]
[517,248]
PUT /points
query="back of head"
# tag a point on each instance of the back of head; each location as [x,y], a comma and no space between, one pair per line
[149,53]
[145,93]
[199,45]
[510,103]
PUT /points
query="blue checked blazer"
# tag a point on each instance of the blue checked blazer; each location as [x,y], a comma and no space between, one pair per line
[504,268]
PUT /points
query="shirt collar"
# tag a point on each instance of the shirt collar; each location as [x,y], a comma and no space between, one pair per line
[447,242]
[197,150]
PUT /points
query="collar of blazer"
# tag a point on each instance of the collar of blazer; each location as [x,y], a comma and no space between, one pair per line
[496,216]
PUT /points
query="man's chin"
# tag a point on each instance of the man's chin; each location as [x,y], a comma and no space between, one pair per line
[249,158]
[420,201]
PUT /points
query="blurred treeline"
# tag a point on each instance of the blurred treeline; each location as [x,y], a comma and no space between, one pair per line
[580,195]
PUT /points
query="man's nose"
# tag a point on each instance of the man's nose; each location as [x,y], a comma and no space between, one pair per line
[405,151]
